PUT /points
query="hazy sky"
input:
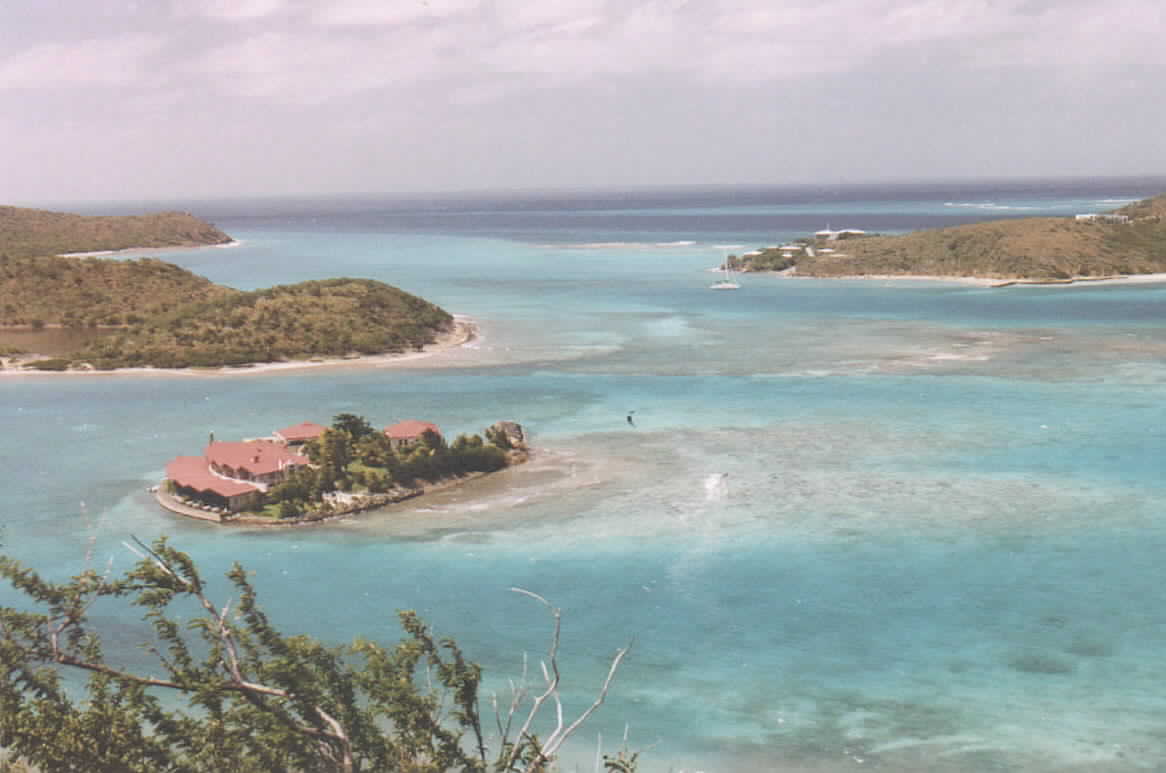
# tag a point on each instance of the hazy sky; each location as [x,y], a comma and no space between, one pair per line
[198,98]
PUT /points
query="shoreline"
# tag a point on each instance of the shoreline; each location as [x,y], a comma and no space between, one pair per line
[147,251]
[464,330]
[379,502]
[982,281]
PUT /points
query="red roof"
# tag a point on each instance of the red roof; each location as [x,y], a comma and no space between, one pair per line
[192,472]
[301,432]
[259,457]
[410,429]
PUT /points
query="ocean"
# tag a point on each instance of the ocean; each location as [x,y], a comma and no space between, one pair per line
[913,526]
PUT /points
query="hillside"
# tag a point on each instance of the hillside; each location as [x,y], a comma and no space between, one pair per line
[324,318]
[36,232]
[141,312]
[91,292]
[1029,248]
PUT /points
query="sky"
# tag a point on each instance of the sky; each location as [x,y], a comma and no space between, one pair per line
[180,99]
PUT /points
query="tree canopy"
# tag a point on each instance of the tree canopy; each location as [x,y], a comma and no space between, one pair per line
[257,699]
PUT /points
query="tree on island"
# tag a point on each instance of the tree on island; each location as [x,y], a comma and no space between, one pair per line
[357,427]
[259,700]
[352,457]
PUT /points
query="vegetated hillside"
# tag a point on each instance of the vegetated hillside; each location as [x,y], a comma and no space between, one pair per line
[1030,248]
[91,292]
[32,232]
[323,318]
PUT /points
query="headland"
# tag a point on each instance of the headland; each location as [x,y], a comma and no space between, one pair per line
[119,315]
[1125,245]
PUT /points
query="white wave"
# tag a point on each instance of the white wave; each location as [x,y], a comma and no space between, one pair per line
[728,246]
[984,205]
[716,486]
[1116,201]
[618,245]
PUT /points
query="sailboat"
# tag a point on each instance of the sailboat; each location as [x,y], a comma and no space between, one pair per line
[726,281]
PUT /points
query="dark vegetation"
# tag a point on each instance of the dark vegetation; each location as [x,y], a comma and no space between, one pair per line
[256,699]
[1048,248]
[170,318]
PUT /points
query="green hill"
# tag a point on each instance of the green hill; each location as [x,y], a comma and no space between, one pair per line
[149,312]
[33,232]
[1046,248]
[92,292]
[325,318]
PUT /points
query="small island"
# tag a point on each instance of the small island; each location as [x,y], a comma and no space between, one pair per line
[145,313]
[1046,250]
[308,472]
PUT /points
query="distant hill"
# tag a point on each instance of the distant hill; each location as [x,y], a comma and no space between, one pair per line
[37,232]
[1028,248]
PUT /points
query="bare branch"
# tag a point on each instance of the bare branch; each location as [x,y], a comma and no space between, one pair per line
[556,739]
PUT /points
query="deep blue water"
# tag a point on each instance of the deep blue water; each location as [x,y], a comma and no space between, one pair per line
[911,525]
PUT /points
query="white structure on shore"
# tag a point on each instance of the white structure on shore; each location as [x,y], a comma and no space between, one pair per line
[1102,217]
[845,233]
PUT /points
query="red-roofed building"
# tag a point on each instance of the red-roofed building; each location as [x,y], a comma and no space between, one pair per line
[300,433]
[233,475]
[192,478]
[407,433]
[259,461]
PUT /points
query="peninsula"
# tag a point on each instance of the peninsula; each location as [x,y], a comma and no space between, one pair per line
[149,313]
[1128,241]
[308,472]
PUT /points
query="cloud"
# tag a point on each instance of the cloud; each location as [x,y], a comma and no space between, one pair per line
[230,10]
[312,68]
[391,12]
[112,62]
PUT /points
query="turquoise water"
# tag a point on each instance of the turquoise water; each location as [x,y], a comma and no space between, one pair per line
[914,526]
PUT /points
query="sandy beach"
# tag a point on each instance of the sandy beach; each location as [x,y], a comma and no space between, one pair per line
[463,331]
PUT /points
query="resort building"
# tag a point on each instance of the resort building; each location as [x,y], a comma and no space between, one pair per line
[845,233]
[1102,217]
[405,434]
[259,461]
[299,434]
[233,476]
[192,479]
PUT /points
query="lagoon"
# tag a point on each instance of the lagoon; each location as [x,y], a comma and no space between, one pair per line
[912,525]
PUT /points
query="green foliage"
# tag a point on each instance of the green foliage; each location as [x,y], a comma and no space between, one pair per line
[54,363]
[256,700]
[356,426]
